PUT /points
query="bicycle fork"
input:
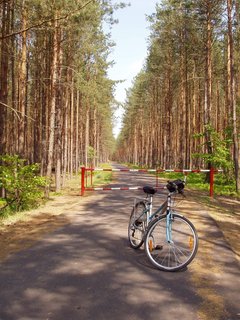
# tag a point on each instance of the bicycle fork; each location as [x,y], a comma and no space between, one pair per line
[169,219]
[149,212]
[149,217]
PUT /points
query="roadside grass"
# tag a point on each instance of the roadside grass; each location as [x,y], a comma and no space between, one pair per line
[72,187]
[99,178]
[197,181]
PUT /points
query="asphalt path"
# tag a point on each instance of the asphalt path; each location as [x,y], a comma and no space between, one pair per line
[87,271]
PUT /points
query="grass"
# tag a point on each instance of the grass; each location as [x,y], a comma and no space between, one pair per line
[99,178]
[72,185]
[222,185]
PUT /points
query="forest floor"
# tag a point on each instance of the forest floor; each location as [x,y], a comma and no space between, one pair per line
[20,231]
[226,212]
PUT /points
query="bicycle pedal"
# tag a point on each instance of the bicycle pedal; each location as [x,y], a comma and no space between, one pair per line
[150,245]
[158,247]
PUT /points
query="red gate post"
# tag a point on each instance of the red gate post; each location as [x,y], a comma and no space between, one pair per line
[211,181]
[92,176]
[82,181]
[86,177]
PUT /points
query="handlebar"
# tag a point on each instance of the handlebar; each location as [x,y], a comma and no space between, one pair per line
[176,186]
[172,186]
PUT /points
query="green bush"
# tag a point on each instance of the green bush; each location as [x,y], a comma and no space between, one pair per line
[22,183]
[220,157]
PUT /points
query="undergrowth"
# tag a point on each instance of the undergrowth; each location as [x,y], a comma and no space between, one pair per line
[74,184]
[222,185]
[99,177]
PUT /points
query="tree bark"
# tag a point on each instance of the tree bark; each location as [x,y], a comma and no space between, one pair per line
[22,83]
[52,105]
[232,94]
[4,75]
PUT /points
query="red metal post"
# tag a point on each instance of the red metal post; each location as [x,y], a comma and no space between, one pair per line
[86,177]
[92,176]
[211,182]
[82,181]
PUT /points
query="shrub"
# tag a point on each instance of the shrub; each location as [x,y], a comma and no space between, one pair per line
[22,183]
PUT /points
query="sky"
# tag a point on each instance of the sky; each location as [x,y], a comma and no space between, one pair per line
[130,36]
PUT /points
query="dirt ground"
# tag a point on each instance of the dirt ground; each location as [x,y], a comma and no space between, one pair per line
[226,212]
[206,273]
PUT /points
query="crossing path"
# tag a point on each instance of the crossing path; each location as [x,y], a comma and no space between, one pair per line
[85,270]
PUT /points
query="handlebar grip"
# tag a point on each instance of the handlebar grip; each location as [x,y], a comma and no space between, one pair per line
[176,186]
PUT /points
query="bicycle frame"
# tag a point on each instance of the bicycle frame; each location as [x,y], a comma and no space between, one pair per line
[165,207]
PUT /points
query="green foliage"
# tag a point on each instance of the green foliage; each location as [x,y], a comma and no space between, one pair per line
[22,183]
[220,157]
[91,154]
[223,186]
[100,177]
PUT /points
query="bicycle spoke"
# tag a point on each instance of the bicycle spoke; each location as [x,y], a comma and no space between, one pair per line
[137,225]
[177,252]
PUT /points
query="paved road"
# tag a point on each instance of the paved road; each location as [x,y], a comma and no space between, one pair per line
[86,270]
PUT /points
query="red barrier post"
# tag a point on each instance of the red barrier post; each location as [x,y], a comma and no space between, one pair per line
[92,176]
[211,182]
[82,181]
[86,178]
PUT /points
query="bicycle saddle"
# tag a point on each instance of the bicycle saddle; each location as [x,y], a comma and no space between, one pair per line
[149,190]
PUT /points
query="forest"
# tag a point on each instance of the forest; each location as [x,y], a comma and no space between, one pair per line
[57,101]
[56,98]
[183,108]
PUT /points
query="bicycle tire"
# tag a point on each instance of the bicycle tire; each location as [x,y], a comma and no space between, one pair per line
[136,231]
[171,255]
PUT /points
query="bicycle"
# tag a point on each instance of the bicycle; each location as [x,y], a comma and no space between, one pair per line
[170,239]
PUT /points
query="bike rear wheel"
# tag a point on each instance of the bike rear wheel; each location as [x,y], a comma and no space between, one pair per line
[137,225]
[171,242]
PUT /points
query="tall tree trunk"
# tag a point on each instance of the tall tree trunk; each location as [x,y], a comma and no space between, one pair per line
[65,137]
[208,81]
[94,132]
[87,134]
[12,133]
[183,117]
[77,132]
[52,105]
[232,93]
[4,74]
[59,119]
[22,82]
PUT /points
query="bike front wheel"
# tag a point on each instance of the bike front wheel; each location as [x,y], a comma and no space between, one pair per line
[171,242]
[137,225]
